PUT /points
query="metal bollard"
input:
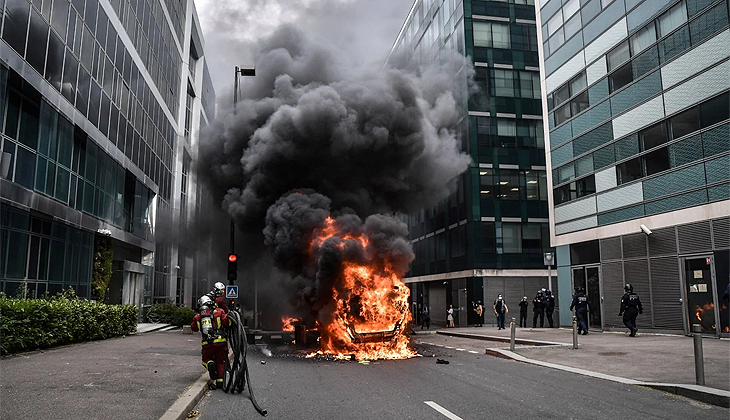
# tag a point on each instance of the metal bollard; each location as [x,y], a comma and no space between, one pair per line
[699,358]
[575,333]
[512,335]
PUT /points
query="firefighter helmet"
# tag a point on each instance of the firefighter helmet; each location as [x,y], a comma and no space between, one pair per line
[205,301]
[219,288]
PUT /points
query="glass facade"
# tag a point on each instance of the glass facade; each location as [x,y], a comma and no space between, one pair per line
[498,217]
[90,94]
[618,134]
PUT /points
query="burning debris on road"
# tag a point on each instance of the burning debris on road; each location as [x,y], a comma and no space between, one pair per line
[322,158]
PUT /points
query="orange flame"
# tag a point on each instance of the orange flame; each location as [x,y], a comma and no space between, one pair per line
[288,323]
[369,309]
[700,310]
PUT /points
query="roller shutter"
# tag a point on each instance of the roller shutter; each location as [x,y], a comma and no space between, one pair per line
[666,292]
[637,273]
[694,237]
[613,284]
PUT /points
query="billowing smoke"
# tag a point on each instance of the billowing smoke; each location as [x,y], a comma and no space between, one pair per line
[348,141]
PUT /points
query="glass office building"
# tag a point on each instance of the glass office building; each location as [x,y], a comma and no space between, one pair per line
[100,105]
[490,236]
[637,99]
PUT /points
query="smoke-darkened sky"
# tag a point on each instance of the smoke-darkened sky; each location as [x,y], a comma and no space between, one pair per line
[365,30]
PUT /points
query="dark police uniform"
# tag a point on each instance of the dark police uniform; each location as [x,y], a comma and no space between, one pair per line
[523,313]
[630,308]
[549,307]
[538,309]
[581,303]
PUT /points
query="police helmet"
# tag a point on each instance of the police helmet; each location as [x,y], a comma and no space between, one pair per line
[548,292]
[539,292]
[219,288]
[205,301]
[629,287]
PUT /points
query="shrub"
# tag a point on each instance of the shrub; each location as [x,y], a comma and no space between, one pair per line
[28,324]
[168,313]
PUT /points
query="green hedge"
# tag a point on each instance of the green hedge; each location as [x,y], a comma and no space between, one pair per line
[168,313]
[29,324]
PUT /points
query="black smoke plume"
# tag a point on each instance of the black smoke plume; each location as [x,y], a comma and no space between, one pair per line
[369,141]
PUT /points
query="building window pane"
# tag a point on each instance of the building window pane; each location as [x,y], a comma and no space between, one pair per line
[503,83]
[511,238]
[509,184]
[643,38]
[572,26]
[555,23]
[653,136]
[531,238]
[578,83]
[715,110]
[685,123]
[506,128]
[16,24]
[562,94]
[618,56]
[579,103]
[500,35]
[482,34]
[656,161]
[672,19]
[629,171]
[486,183]
[621,78]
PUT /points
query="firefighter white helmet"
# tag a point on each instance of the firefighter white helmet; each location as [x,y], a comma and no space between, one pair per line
[205,301]
[219,288]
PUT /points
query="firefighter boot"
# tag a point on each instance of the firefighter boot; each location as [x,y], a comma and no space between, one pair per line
[213,373]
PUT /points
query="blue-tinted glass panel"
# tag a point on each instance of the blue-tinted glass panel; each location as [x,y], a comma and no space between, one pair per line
[719,192]
[593,139]
[584,165]
[645,12]
[561,135]
[604,157]
[674,44]
[673,182]
[591,118]
[716,140]
[561,155]
[696,6]
[627,147]
[694,198]
[598,91]
[685,151]
[621,215]
[645,62]
[636,93]
[709,23]
[718,169]
[16,24]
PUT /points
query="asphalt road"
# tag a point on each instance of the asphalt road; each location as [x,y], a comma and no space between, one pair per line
[471,386]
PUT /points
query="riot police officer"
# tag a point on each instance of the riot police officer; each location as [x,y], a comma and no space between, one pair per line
[549,307]
[538,309]
[630,308]
[581,304]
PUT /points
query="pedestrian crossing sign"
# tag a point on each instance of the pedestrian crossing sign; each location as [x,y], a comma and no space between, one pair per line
[232,292]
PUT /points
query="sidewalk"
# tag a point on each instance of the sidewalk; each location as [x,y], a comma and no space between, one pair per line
[646,358]
[134,377]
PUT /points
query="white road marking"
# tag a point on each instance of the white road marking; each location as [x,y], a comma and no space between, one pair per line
[448,347]
[461,349]
[473,352]
[442,410]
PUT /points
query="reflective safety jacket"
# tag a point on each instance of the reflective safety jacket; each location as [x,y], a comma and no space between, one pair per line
[211,325]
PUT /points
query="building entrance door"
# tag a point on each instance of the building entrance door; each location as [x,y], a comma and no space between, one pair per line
[589,278]
[699,280]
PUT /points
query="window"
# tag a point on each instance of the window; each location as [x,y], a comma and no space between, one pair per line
[534,185]
[562,94]
[685,122]
[491,34]
[503,83]
[531,238]
[656,161]
[653,136]
[629,171]
[715,110]
[672,19]
[555,23]
[506,128]
[618,56]
[509,184]
[579,103]
[578,83]
[511,238]
[620,78]
[643,38]
[562,114]
[486,183]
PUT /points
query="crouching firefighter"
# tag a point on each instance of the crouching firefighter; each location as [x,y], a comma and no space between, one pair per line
[211,322]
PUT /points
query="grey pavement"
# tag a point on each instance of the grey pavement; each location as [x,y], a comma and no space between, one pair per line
[136,377]
[648,357]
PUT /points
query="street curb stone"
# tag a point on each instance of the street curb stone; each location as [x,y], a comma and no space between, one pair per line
[704,394]
[501,339]
[187,401]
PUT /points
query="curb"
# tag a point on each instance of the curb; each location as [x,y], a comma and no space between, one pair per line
[701,393]
[187,400]
[502,339]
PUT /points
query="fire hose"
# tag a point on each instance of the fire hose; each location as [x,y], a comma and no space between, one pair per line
[237,374]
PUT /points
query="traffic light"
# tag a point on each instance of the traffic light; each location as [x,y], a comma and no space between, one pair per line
[232,267]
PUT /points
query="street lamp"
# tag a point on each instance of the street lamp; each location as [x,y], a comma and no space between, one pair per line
[549,259]
[243,70]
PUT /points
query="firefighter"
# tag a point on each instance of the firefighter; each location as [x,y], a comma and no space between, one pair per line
[211,322]
[580,303]
[218,295]
[630,308]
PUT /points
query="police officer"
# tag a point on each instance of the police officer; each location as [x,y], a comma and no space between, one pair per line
[581,304]
[630,308]
[538,309]
[549,307]
[211,322]
[523,311]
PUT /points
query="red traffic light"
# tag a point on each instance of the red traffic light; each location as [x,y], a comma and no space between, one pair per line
[232,257]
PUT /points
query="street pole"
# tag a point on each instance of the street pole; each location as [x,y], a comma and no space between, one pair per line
[550,278]
[512,335]
[699,357]
[575,333]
